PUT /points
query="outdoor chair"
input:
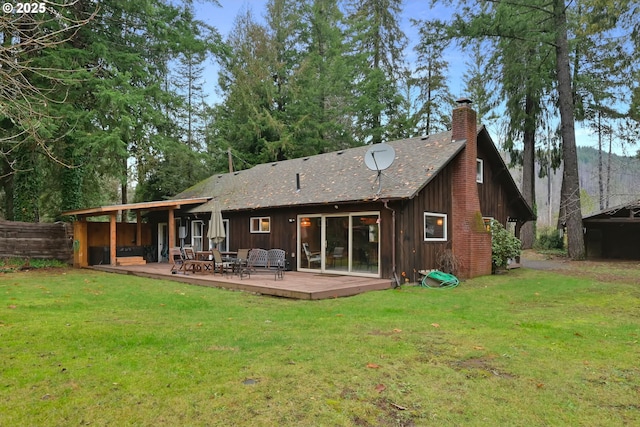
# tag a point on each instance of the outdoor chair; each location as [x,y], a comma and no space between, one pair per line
[338,253]
[258,262]
[219,265]
[257,259]
[363,257]
[176,259]
[241,258]
[189,253]
[276,259]
[312,257]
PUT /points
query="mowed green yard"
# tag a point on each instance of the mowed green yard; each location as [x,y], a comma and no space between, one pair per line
[528,348]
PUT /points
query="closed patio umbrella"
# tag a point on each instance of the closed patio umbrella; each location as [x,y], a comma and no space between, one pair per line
[216,231]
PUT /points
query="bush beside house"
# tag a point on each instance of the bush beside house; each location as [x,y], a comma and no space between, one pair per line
[504,246]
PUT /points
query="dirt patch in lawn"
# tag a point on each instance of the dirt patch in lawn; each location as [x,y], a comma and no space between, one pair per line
[479,367]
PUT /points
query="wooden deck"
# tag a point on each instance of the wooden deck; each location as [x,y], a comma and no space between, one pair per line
[299,285]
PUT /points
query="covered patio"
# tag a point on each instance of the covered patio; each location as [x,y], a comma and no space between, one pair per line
[128,236]
[297,285]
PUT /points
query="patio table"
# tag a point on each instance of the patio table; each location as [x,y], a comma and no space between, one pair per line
[204,255]
[229,254]
[231,257]
[204,261]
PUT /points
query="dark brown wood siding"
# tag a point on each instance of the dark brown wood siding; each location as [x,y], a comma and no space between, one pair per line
[283,234]
[414,253]
[494,199]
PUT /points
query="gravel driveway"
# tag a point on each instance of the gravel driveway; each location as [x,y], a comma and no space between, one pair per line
[544,264]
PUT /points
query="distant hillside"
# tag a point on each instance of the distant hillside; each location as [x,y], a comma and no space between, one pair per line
[624,184]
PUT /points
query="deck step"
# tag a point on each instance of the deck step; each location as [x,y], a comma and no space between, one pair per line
[130,260]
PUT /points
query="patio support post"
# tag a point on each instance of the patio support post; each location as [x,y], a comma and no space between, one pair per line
[138,228]
[80,249]
[171,225]
[112,238]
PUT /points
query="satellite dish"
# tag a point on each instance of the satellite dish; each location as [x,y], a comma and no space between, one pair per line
[379,157]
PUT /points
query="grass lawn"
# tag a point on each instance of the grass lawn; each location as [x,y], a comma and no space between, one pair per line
[528,348]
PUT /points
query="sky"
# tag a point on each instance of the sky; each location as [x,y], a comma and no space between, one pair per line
[222,18]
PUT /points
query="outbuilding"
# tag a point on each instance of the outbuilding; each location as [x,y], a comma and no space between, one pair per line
[614,233]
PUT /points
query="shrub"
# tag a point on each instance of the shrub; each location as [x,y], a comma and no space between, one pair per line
[549,238]
[447,262]
[504,245]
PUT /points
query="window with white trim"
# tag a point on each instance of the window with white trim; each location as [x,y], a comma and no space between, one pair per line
[261,224]
[197,229]
[487,222]
[479,171]
[435,227]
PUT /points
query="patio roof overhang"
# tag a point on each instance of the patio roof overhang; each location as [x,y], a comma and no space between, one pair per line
[148,206]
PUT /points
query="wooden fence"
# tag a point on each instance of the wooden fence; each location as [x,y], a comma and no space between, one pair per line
[36,240]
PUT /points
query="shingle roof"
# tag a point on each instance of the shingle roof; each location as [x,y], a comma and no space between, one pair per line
[615,210]
[335,177]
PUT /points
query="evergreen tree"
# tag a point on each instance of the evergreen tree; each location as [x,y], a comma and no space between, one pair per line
[285,86]
[526,80]
[184,113]
[247,86]
[480,83]
[603,61]
[537,31]
[406,124]
[28,86]
[98,99]
[434,99]
[318,117]
[283,22]
[376,45]
[550,29]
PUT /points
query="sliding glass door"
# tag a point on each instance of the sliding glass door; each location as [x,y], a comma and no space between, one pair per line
[310,242]
[365,243]
[339,243]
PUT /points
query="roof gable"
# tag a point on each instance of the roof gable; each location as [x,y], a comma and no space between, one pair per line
[489,147]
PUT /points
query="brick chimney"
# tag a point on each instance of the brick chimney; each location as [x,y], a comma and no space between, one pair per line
[471,243]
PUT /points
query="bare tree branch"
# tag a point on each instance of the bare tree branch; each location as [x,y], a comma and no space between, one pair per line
[26,88]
